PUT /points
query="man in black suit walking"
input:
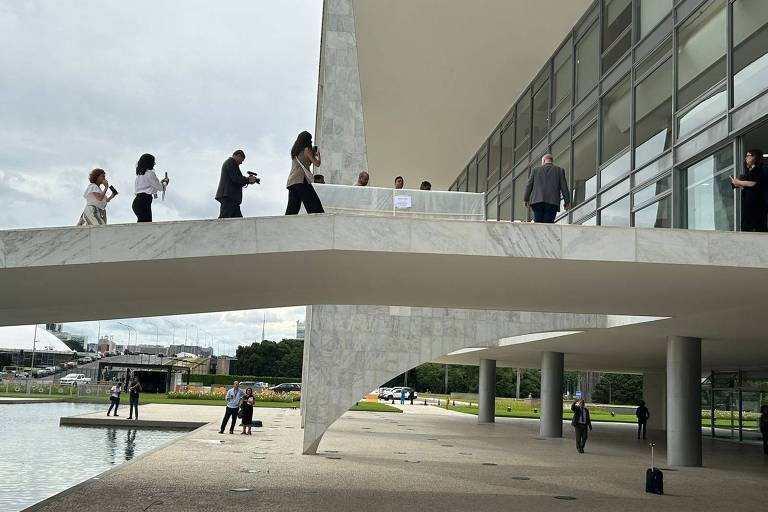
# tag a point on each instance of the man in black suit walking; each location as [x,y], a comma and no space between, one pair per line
[581,422]
[643,415]
[546,185]
[231,183]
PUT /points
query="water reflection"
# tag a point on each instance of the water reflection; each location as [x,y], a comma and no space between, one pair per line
[32,444]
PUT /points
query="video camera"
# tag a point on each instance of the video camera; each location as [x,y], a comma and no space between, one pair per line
[258,180]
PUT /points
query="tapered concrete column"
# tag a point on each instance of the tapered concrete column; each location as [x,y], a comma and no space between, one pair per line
[551,423]
[487,404]
[683,401]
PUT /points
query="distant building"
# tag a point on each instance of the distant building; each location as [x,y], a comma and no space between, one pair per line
[73,341]
[192,349]
[299,330]
[151,349]
[106,344]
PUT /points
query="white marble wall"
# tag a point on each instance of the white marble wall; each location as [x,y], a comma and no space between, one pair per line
[350,350]
[339,128]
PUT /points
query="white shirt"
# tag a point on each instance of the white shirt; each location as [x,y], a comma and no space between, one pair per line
[91,200]
[115,390]
[147,183]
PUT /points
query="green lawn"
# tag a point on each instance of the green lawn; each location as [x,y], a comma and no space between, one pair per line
[374,407]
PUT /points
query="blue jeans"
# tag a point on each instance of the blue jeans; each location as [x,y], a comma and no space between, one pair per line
[544,213]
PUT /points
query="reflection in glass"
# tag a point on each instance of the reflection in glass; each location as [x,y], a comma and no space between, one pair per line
[505,209]
[508,149]
[540,112]
[701,52]
[614,113]
[750,49]
[472,177]
[520,212]
[491,209]
[651,12]
[587,70]
[656,215]
[561,84]
[522,138]
[482,173]
[652,190]
[585,165]
[702,113]
[614,192]
[494,159]
[653,114]
[615,169]
[706,196]
[616,214]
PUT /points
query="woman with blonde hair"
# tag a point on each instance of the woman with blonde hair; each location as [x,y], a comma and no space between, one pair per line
[96,199]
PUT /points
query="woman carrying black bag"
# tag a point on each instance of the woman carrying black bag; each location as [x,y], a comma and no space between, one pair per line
[300,179]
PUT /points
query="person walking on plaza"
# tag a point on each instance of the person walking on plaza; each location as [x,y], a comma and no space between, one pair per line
[546,185]
[229,194]
[764,427]
[399,183]
[247,409]
[114,397]
[96,199]
[643,415]
[581,422]
[402,396]
[146,187]
[754,192]
[133,398]
[233,397]
[299,184]
[362,179]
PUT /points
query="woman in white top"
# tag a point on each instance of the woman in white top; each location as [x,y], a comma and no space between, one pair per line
[96,199]
[147,186]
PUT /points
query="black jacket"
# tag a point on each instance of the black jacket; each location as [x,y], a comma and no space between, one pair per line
[231,182]
[577,416]
[547,184]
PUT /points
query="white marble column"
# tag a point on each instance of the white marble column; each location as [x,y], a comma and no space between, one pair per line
[683,401]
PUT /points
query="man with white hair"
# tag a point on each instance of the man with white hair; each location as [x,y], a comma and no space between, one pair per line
[362,179]
[546,185]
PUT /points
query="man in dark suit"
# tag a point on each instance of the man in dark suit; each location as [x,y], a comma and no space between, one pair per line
[546,185]
[581,422]
[643,415]
[231,183]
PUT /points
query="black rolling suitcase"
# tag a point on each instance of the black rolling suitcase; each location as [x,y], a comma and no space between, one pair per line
[654,478]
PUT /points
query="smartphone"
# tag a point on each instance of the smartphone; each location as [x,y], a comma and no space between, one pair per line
[166,175]
[114,190]
[314,149]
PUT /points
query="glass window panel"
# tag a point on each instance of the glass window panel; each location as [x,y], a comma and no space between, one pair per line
[520,212]
[658,54]
[615,169]
[585,165]
[651,12]
[540,113]
[494,158]
[618,50]
[508,149]
[505,209]
[615,192]
[617,16]
[657,167]
[482,173]
[750,49]
[491,209]
[656,215]
[463,183]
[701,51]
[561,154]
[706,196]
[585,121]
[702,113]
[562,83]
[614,114]
[592,221]
[584,210]
[616,214]
[650,191]
[472,177]
[522,139]
[587,70]
[653,114]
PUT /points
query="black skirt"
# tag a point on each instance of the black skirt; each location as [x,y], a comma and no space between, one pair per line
[247,414]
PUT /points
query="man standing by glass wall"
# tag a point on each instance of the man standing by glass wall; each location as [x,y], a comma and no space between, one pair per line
[546,185]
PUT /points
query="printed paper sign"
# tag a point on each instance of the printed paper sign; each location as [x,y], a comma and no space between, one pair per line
[402,202]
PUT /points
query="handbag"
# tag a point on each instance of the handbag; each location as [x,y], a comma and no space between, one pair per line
[240,413]
[308,175]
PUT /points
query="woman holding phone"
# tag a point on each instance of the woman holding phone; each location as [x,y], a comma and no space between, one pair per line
[146,187]
[96,199]
[300,179]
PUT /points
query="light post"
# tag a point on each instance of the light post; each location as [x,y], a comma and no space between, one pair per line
[32,363]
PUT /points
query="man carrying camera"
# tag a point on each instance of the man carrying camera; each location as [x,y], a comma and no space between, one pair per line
[231,183]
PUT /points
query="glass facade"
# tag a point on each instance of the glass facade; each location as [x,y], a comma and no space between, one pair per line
[731,401]
[644,104]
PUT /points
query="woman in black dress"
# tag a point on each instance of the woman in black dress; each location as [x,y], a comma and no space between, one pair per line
[754,193]
[247,408]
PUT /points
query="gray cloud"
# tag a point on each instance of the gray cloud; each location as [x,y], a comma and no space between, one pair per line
[95,83]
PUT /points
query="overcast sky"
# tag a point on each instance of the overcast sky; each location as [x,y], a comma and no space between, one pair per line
[96,83]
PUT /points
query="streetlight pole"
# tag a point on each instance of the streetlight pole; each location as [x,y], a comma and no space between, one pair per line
[32,363]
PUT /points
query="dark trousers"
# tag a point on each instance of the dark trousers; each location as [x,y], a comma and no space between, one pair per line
[115,403]
[142,207]
[581,436]
[231,411]
[133,407]
[303,193]
[765,442]
[544,213]
[641,427]
[229,209]
[754,218]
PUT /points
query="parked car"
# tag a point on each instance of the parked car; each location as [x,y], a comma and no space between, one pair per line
[394,393]
[286,388]
[257,386]
[383,392]
[74,379]
[71,364]
[51,369]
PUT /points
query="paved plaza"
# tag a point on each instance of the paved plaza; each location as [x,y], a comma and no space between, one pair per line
[424,459]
